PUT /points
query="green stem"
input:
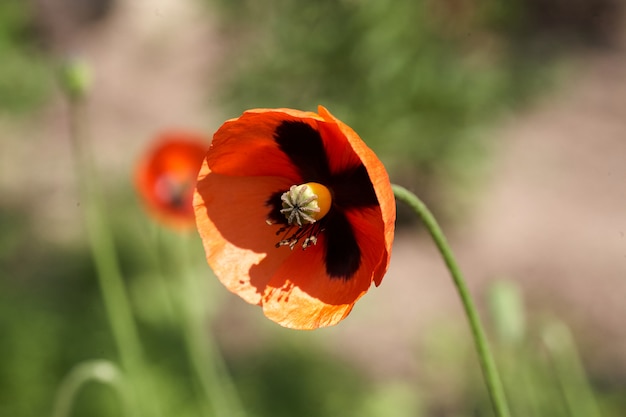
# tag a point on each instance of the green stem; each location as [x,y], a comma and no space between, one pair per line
[112,286]
[101,371]
[206,360]
[487,363]
[569,370]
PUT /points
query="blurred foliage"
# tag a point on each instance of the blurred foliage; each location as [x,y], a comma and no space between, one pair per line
[419,80]
[287,378]
[541,368]
[53,321]
[46,328]
[24,73]
[282,381]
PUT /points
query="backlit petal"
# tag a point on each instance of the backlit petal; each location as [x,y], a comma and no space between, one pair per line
[230,216]
[301,295]
[253,160]
[246,146]
[380,179]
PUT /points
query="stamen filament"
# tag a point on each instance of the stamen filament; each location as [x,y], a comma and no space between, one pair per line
[291,238]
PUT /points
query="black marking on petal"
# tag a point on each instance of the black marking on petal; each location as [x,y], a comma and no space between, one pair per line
[353,188]
[304,147]
[343,255]
[276,204]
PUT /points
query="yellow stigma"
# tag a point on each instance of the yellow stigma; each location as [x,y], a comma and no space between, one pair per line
[306,203]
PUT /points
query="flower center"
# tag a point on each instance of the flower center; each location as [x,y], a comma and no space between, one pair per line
[305,204]
[172,192]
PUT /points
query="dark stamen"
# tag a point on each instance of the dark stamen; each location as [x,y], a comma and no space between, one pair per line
[291,235]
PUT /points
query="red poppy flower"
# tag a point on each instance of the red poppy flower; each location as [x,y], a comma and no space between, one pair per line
[166,177]
[296,214]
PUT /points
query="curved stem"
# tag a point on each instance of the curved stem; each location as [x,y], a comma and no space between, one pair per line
[101,371]
[206,359]
[487,363]
[112,286]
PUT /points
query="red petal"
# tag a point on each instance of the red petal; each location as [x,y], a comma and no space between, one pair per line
[380,180]
[243,169]
[166,175]
[301,295]
[245,146]
[230,216]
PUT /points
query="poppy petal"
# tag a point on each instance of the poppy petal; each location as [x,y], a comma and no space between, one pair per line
[341,156]
[353,188]
[246,146]
[380,181]
[342,255]
[303,144]
[238,250]
[252,161]
[302,295]
[165,176]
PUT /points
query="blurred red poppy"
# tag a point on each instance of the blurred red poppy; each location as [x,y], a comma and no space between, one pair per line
[296,214]
[166,177]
